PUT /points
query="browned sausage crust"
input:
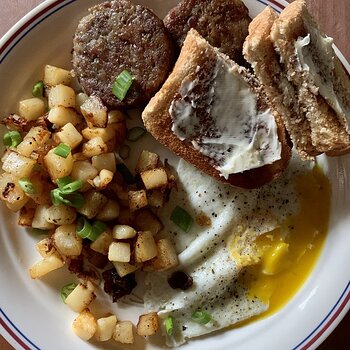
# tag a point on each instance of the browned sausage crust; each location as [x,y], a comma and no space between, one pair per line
[223,23]
[118,35]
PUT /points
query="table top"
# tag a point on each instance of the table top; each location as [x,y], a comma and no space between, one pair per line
[333,18]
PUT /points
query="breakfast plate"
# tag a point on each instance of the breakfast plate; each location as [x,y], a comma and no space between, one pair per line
[31,312]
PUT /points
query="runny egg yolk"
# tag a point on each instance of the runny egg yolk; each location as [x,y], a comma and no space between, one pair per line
[288,254]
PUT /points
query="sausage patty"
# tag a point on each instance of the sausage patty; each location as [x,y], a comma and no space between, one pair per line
[118,35]
[223,23]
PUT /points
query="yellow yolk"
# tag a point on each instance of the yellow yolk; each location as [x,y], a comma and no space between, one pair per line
[288,254]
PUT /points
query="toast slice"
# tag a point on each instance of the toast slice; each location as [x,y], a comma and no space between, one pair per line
[197,114]
[321,84]
[259,51]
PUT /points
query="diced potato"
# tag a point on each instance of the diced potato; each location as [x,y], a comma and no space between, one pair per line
[94,147]
[119,251]
[93,204]
[146,161]
[66,240]
[145,247]
[45,247]
[125,268]
[123,232]
[85,325]
[148,324]
[60,215]
[35,138]
[61,95]
[154,178]
[57,166]
[42,187]
[26,216]
[32,108]
[166,256]
[109,212]
[106,133]
[137,200]
[104,161]
[146,220]
[11,193]
[79,100]
[69,135]
[94,112]
[55,76]
[156,198]
[61,116]
[81,296]
[101,244]
[17,165]
[105,328]
[116,116]
[39,220]
[27,146]
[83,170]
[46,265]
[101,181]
[124,333]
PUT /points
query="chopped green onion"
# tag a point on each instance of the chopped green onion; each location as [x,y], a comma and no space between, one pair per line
[72,187]
[135,133]
[75,200]
[83,228]
[38,89]
[201,317]
[124,152]
[97,228]
[181,218]
[63,181]
[26,185]
[127,176]
[66,290]
[38,231]
[122,85]
[169,325]
[62,150]
[12,139]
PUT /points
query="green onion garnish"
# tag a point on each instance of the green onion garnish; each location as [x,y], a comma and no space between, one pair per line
[169,325]
[62,150]
[63,181]
[127,176]
[124,152]
[83,227]
[122,85]
[135,133]
[201,317]
[66,290]
[12,139]
[71,187]
[75,200]
[181,218]
[26,185]
[38,89]
[97,228]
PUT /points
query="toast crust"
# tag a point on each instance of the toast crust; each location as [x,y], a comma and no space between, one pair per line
[158,122]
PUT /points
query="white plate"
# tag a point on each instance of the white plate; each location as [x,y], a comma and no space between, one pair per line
[32,315]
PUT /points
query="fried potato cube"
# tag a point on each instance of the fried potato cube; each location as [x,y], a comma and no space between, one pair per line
[17,164]
[148,324]
[146,220]
[46,265]
[109,212]
[83,170]
[146,161]
[31,108]
[124,268]
[101,181]
[105,328]
[61,116]
[45,247]
[104,161]
[94,112]
[93,203]
[69,135]
[137,200]
[119,251]
[55,76]
[145,247]
[58,166]
[94,147]
[156,198]
[166,257]
[39,220]
[60,214]
[154,178]
[101,244]
[123,232]
[61,95]
[26,216]
[85,325]
[81,296]
[106,133]
[35,138]
[124,332]
[66,240]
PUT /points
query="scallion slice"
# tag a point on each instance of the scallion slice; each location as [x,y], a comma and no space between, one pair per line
[75,200]
[127,176]
[12,138]
[97,228]
[169,325]
[201,317]
[38,89]
[124,152]
[63,181]
[71,187]
[26,185]
[122,85]
[181,218]
[135,133]
[66,290]
[62,150]
[83,228]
